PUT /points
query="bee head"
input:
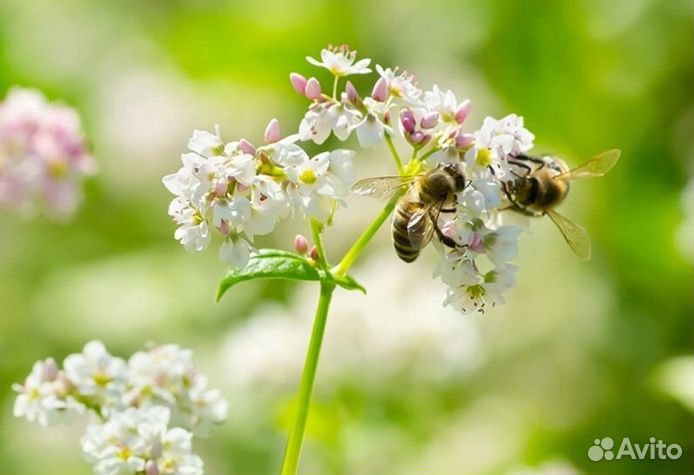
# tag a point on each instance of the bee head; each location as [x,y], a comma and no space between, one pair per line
[453,169]
[556,164]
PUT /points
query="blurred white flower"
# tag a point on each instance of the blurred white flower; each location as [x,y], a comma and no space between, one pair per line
[44,396]
[135,404]
[95,373]
[136,440]
[43,155]
[340,61]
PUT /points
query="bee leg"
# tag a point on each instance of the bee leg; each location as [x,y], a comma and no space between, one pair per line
[445,240]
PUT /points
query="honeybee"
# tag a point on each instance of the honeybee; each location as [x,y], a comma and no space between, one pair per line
[418,208]
[540,184]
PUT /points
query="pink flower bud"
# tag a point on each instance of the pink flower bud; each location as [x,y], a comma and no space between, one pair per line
[476,244]
[224,227]
[313,253]
[50,369]
[417,137]
[380,90]
[220,188]
[464,140]
[429,121]
[352,93]
[408,121]
[298,82]
[300,244]
[151,468]
[463,111]
[313,90]
[272,131]
[246,147]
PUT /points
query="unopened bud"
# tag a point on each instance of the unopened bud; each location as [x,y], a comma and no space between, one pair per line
[313,253]
[220,188]
[429,121]
[151,468]
[298,82]
[50,369]
[476,243]
[464,140]
[380,90]
[313,90]
[463,111]
[408,121]
[300,244]
[417,137]
[246,147]
[224,227]
[272,132]
[352,93]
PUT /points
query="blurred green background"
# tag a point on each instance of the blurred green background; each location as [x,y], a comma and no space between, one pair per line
[581,351]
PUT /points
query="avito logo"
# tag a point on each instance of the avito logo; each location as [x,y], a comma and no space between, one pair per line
[602,449]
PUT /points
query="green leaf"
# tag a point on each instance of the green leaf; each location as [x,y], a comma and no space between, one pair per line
[271,264]
[348,282]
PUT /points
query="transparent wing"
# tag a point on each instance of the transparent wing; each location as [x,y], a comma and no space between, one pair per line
[420,227]
[576,236]
[382,187]
[596,166]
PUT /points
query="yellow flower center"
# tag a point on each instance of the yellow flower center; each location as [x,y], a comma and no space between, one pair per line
[308,176]
[124,453]
[101,379]
[484,157]
[58,168]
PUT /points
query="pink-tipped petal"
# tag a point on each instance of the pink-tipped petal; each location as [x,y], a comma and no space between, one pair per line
[463,111]
[380,90]
[298,82]
[300,244]
[272,132]
[224,227]
[408,121]
[352,94]
[464,140]
[246,147]
[313,90]
[417,137]
[429,121]
[476,243]
[220,188]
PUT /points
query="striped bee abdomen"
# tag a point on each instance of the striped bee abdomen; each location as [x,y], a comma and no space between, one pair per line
[405,248]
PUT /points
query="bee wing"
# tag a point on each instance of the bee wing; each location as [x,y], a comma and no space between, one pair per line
[575,235]
[422,238]
[596,166]
[382,187]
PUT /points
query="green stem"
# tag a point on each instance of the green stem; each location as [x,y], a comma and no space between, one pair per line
[318,241]
[292,453]
[296,436]
[394,152]
[337,79]
[340,270]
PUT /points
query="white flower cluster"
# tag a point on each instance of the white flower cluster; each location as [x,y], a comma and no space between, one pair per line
[43,157]
[432,124]
[242,191]
[135,404]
